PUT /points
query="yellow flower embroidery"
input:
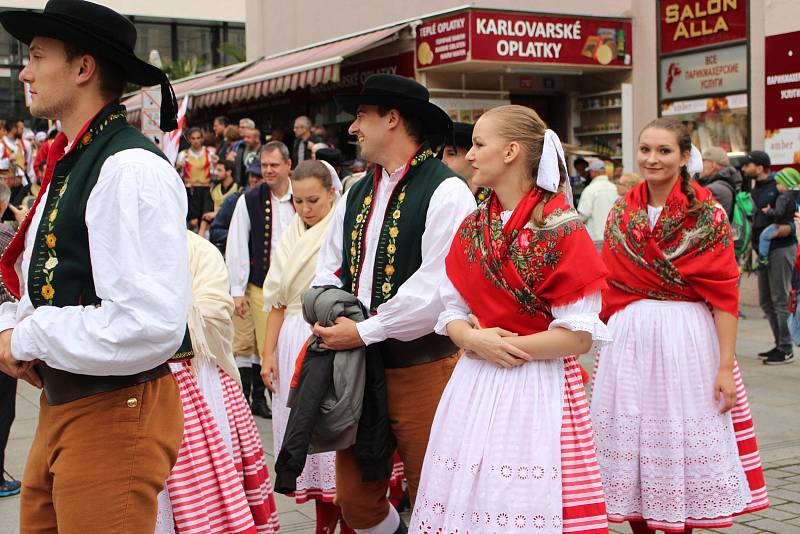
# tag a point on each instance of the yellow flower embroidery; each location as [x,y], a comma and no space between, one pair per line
[359,218]
[87,138]
[396,214]
[391,249]
[367,201]
[352,270]
[386,287]
[402,196]
[354,235]
[48,292]
[393,231]
[352,251]
[51,263]
[53,215]
[50,240]
[389,270]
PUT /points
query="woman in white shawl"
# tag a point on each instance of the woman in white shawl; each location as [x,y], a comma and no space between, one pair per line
[315,187]
[220,481]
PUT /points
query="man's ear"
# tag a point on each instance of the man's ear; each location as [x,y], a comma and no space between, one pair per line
[87,67]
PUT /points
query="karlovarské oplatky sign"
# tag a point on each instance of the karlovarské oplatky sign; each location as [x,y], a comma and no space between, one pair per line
[688,24]
[518,37]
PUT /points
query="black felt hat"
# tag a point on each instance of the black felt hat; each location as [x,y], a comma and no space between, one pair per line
[462,135]
[331,155]
[401,93]
[97,30]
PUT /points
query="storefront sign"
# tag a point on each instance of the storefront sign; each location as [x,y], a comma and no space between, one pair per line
[717,71]
[353,76]
[687,24]
[443,40]
[702,105]
[782,98]
[524,38]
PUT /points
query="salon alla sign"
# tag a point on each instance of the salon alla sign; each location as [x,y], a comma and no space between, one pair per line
[687,24]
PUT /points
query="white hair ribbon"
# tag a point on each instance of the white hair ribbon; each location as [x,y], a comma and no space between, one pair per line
[335,181]
[548,176]
[695,163]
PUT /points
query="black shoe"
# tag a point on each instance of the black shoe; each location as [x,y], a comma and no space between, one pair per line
[779,358]
[261,409]
[9,488]
[769,353]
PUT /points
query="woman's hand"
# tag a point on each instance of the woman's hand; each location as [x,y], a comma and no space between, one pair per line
[269,371]
[725,390]
[488,343]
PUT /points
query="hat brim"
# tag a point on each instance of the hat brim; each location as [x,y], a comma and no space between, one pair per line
[26,25]
[434,119]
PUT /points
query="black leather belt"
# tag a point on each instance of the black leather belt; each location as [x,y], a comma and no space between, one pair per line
[61,387]
[426,349]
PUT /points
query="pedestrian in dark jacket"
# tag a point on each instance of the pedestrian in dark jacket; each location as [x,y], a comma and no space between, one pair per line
[721,178]
[788,181]
[303,139]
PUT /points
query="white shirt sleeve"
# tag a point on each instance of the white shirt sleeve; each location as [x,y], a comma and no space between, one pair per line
[135,217]
[329,260]
[415,308]
[454,307]
[583,315]
[8,315]
[237,252]
[585,203]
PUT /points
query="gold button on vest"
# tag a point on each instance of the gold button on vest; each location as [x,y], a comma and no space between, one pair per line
[132,402]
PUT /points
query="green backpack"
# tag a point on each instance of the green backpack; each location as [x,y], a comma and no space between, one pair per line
[741,223]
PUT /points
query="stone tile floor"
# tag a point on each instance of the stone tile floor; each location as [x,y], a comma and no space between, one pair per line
[774,397]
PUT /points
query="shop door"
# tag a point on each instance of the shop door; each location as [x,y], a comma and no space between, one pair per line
[551,108]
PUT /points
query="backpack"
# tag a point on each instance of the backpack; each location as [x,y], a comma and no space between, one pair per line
[741,223]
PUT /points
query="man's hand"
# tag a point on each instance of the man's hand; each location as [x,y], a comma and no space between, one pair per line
[242,307]
[19,212]
[269,371]
[341,336]
[13,367]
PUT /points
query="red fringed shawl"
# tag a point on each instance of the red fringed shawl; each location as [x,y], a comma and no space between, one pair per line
[686,257]
[512,276]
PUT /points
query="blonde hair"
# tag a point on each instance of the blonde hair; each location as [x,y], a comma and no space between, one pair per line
[630,179]
[524,126]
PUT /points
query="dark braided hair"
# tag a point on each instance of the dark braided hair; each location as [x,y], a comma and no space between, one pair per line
[684,139]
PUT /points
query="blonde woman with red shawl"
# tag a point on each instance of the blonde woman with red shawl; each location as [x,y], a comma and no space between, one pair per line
[675,438]
[511,446]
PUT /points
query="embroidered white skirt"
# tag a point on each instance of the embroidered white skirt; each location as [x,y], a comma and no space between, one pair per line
[493,462]
[666,453]
[318,479]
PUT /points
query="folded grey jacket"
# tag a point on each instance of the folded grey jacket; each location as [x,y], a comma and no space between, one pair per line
[340,406]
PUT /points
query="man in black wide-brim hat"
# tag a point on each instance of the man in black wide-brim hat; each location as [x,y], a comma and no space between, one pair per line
[100,268]
[387,245]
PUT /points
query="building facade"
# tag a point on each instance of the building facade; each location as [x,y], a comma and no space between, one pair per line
[188,36]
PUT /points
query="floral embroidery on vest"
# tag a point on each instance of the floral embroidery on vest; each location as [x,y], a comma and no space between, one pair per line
[391,247]
[50,239]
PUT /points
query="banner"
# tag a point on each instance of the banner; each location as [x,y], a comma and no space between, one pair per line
[524,38]
[782,99]
[719,71]
[172,139]
[687,24]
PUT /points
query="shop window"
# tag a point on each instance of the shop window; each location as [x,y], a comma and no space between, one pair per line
[714,121]
[195,43]
[233,47]
[154,37]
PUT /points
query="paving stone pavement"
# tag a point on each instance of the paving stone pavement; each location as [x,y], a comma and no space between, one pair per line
[774,394]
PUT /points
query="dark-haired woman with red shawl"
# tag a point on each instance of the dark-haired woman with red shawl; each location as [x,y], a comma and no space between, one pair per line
[674,434]
[511,447]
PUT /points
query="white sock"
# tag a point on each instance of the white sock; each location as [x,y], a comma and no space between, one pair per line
[389,524]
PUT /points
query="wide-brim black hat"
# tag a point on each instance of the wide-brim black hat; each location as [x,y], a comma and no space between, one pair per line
[404,94]
[97,30]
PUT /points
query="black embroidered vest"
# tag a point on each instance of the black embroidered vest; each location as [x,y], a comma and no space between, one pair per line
[60,272]
[399,252]
[258,201]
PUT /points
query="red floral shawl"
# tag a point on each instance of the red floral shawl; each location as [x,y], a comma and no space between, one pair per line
[511,277]
[686,257]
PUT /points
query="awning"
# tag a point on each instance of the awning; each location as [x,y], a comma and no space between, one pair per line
[182,87]
[307,67]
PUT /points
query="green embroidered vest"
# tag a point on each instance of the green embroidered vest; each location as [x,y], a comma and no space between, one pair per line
[399,252]
[60,272]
